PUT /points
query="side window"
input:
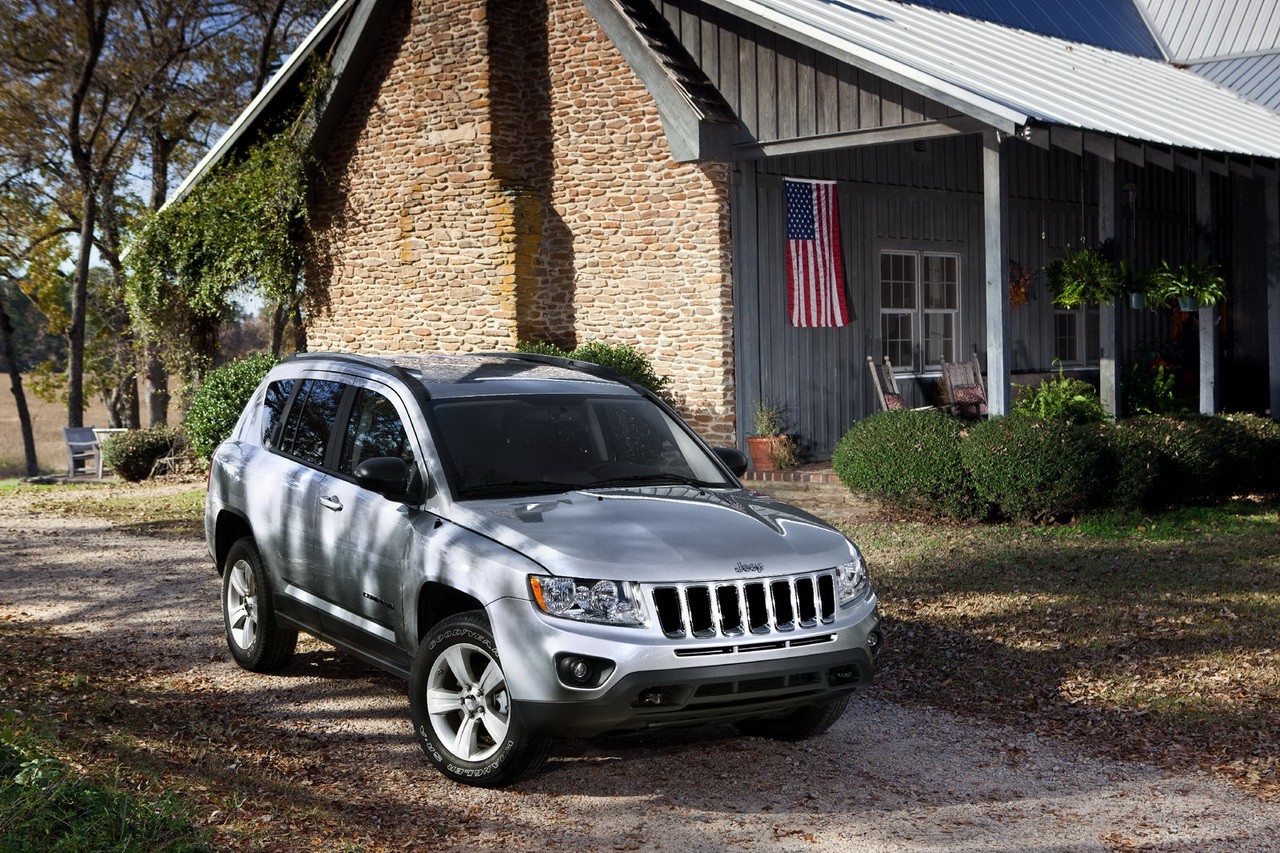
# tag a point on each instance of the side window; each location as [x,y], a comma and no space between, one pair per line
[374,429]
[306,434]
[919,308]
[273,407]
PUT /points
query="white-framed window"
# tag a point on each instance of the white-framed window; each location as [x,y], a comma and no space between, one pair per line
[1075,336]
[919,308]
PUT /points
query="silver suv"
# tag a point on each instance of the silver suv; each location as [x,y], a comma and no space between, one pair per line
[542,548]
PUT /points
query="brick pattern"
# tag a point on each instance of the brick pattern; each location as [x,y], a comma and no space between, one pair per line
[503,174]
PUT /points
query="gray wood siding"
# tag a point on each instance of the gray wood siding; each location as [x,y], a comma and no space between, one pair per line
[781,90]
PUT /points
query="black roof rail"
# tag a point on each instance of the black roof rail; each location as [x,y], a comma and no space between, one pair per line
[368,361]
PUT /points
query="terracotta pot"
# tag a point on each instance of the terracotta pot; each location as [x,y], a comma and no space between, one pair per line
[761,449]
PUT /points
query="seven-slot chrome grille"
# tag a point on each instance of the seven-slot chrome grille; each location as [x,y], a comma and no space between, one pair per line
[745,608]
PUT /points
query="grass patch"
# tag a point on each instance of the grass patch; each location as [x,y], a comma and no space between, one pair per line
[1150,635]
[153,508]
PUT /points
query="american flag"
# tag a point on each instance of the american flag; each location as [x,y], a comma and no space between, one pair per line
[815,278]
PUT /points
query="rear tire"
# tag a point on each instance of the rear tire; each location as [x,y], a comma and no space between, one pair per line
[800,724]
[463,715]
[256,640]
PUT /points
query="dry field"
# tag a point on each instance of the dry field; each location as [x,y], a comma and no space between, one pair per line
[47,419]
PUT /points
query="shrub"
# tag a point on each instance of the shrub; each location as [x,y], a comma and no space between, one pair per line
[134,454]
[1198,456]
[1152,389]
[1257,471]
[221,398]
[1063,399]
[1130,468]
[1032,469]
[910,460]
[623,359]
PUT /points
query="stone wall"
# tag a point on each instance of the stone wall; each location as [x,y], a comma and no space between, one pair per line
[504,174]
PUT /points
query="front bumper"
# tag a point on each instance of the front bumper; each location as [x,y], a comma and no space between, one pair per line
[704,695]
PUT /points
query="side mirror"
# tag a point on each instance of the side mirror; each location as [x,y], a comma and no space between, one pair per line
[733,458]
[389,476]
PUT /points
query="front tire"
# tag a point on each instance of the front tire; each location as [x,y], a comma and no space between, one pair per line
[462,712]
[800,724]
[256,640]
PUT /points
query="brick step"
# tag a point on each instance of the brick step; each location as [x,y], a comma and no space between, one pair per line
[809,495]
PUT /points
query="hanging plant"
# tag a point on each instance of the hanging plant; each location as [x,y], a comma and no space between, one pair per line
[1191,285]
[1083,276]
[1019,285]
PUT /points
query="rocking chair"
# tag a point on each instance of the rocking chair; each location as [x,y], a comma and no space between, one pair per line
[966,395]
[886,387]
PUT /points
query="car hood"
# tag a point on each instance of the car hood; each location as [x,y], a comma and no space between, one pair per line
[659,533]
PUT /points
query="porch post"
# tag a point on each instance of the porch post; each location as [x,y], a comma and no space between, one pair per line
[995,217]
[1272,254]
[1208,315]
[1108,327]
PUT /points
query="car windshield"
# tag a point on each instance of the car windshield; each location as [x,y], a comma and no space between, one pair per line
[541,444]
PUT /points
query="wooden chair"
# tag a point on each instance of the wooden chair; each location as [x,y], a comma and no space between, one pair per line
[962,382]
[83,447]
[886,387]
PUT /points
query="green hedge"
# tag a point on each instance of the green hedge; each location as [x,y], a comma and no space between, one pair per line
[909,459]
[221,398]
[620,358]
[1034,469]
[133,454]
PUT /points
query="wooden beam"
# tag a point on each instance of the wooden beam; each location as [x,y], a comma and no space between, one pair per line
[1271,196]
[995,218]
[953,126]
[1131,153]
[1068,138]
[1208,315]
[1102,147]
[1108,328]
[1242,166]
[1215,163]
[1158,156]
[1187,160]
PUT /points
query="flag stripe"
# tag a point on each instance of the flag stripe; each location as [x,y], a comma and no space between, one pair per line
[815,275]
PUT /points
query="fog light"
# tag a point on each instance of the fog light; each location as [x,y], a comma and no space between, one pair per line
[582,671]
[651,697]
[841,675]
[873,642]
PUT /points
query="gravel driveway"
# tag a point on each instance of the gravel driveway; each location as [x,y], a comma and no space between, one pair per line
[885,778]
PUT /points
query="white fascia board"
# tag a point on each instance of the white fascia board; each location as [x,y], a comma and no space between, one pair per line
[245,120]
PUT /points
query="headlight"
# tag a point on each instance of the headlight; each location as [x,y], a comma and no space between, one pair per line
[851,578]
[605,602]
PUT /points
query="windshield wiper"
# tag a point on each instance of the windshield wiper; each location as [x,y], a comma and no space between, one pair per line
[659,479]
[515,488]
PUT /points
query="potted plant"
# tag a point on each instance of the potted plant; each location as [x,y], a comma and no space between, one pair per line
[1082,276]
[1137,281]
[771,449]
[1192,285]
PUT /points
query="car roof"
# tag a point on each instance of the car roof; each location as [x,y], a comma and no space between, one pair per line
[481,374]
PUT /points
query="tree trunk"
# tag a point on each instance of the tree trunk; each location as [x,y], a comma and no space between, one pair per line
[79,304]
[19,396]
[155,385]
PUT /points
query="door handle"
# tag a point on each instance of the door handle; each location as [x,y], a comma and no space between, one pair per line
[331,503]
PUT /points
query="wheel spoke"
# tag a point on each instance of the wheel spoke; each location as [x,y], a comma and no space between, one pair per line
[495,724]
[441,701]
[465,740]
[247,633]
[456,659]
[492,680]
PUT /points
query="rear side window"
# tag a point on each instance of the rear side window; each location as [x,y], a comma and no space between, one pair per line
[273,408]
[374,429]
[311,418]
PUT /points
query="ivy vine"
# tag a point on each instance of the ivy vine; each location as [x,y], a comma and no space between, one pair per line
[242,230]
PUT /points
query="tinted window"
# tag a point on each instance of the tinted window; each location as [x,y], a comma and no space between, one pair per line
[374,429]
[311,419]
[273,407]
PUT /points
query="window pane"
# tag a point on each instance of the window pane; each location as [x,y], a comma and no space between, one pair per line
[273,408]
[939,337]
[311,429]
[1066,326]
[897,280]
[941,282]
[374,429]
[895,331]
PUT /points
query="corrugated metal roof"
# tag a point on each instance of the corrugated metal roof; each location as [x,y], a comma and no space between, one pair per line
[1113,24]
[1008,77]
[1195,30]
[1255,77]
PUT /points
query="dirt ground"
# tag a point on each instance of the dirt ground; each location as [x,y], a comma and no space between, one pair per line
[337,736]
